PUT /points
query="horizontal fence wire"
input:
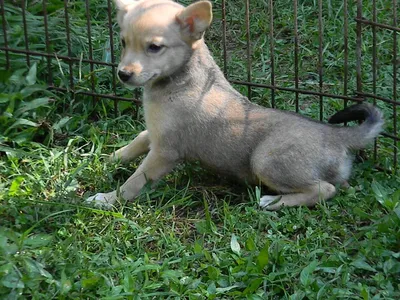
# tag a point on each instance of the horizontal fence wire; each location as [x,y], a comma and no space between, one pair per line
[57,56]
[93,94]
[362,24]
[376,24]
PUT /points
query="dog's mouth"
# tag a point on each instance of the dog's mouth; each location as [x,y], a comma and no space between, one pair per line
[132,83]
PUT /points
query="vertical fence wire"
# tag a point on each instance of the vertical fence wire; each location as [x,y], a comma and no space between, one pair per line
[28,59]
[47,41]
[248,48]
[111,33]
[358,47]
[271,49]
[90,47]
[224,38]
[4,26]
[395,82]
[346,50]
[374,69]
[68,36]
[320,59]
[296,55]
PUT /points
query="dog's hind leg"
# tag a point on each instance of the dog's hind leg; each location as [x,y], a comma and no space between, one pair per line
[140,145]
[308,197]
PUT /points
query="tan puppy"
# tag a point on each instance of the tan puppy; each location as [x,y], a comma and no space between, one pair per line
[192,113]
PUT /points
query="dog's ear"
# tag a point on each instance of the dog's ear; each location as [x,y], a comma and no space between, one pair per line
[123,6]
[195,19]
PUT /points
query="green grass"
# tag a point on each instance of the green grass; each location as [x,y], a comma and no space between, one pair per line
[195,235]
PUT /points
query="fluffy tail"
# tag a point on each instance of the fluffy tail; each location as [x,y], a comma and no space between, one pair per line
[359,136]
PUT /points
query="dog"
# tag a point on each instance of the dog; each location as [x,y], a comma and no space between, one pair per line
[193,113]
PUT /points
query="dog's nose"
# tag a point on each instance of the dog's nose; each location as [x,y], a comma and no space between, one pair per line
[124,75]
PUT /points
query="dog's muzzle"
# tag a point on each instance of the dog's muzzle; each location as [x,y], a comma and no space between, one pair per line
[124,75]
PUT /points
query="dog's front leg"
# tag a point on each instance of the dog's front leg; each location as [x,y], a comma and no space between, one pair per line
[139,146]
[153,167]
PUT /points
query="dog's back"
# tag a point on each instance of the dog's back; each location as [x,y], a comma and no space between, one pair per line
[192,112]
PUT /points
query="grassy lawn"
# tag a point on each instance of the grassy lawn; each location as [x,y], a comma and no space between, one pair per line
[195,235]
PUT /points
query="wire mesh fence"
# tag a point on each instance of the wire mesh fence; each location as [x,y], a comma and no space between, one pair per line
[309,56]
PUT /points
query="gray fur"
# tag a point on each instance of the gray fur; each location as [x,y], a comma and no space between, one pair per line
[195,114]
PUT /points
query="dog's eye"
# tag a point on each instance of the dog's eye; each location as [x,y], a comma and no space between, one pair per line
[123,43]
[153,48]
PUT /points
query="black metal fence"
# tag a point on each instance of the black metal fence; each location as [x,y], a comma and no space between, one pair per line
[359,54]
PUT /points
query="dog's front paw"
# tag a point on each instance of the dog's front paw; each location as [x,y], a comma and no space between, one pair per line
[103,200]
[270,202]
[114,158]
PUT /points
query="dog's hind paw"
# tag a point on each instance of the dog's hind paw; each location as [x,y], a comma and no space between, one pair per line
[270,202]
[102,200]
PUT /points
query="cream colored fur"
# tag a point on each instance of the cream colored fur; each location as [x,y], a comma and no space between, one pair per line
[192,113]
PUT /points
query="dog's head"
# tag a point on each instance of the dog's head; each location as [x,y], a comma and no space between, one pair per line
[158,37]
